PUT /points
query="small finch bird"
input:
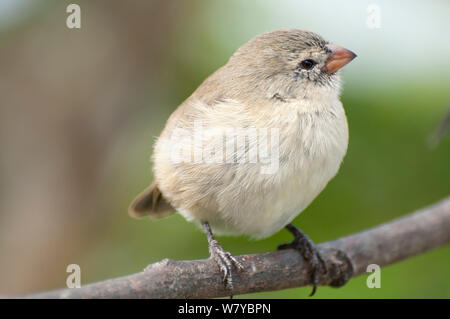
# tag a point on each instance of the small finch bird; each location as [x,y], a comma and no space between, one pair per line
[254,144]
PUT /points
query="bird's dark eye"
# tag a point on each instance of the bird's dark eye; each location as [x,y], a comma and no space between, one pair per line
[307,64]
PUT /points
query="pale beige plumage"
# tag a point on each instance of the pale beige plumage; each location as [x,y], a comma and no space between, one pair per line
[258,87]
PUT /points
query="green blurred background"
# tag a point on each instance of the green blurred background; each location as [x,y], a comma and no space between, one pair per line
[80,110]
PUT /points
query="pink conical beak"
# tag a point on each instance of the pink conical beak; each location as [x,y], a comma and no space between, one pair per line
[339,57]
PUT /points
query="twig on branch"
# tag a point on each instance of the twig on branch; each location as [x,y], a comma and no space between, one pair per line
[440,131]
[347,257]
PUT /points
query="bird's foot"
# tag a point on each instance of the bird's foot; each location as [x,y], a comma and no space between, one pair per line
[225,261]
[309,252]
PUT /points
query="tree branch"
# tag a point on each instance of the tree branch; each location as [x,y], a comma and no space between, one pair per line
[346,257]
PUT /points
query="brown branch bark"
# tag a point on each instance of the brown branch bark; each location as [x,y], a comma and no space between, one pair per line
[347,257]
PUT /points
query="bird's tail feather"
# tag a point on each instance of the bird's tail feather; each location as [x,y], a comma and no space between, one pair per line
[150,202]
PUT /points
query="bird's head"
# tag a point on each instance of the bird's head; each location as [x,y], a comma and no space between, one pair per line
[290,62]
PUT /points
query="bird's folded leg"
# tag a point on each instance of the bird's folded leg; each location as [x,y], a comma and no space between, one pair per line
[308,250]
[223,258]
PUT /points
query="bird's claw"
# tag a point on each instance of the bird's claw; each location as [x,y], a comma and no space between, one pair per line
[226,263]
[310,253]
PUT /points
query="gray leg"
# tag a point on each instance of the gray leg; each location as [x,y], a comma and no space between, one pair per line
[224,259]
